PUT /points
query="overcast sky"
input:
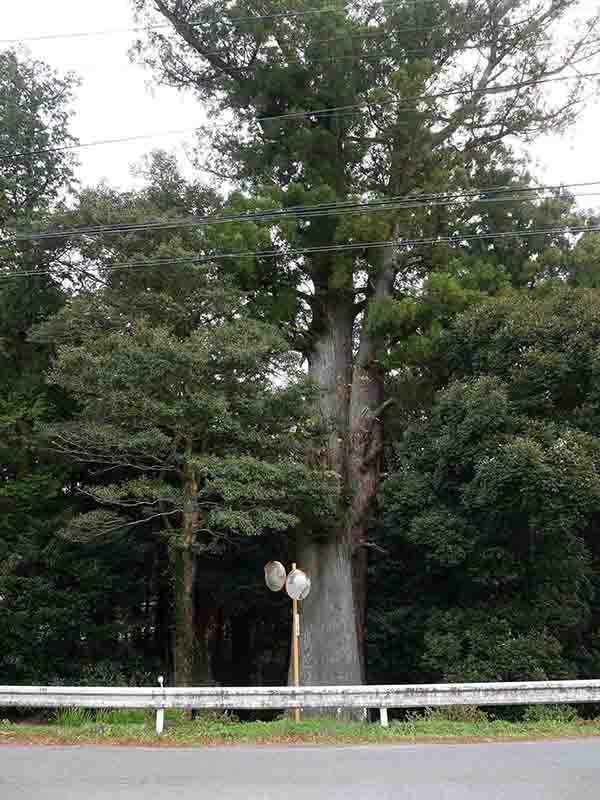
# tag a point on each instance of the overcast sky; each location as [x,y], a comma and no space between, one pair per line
[115,100]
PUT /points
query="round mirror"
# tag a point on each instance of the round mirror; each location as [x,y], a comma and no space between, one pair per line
[275,575]
[297,584]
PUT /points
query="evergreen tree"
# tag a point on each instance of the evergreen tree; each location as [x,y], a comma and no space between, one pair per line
[34,111]
[332,103]
[65,615]
[489,517]
[184,399]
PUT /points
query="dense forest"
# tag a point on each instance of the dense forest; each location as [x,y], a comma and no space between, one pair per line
[358,334]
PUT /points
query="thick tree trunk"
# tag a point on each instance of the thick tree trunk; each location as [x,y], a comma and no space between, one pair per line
[185,628]
[364,467]
[365,450]
[351,399]
[328,644]
[185,635]
[330,365]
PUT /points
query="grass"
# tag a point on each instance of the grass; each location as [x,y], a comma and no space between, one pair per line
[136,727]
[79,717]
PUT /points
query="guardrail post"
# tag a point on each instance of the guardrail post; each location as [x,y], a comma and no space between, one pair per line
[160,712]
[383,717]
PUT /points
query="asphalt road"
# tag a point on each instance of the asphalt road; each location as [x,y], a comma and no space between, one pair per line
[566,770]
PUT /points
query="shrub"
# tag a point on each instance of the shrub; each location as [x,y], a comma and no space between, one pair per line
[550,713]
[74,717]
[467,713]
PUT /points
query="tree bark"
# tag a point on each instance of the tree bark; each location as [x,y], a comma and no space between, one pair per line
[328,644]
[366,439]
[332,640]
[367,404]
[185,628]
[330,366]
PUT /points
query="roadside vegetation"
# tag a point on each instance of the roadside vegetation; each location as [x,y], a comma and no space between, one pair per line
[351,330]
[136,727]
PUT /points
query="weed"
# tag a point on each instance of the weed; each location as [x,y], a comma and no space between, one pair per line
[81,726]
[73,717]
[550,713]
[457,714]
[123,716]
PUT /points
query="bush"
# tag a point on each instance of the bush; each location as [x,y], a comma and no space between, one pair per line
[74,717]
[550,713]
[457,714]
[123,716]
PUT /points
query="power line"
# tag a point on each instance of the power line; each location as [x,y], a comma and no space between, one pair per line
[310,59]
[455,239]
[127,265]
[321,59]
[347,110]
[250,18]
[306,213]
[373,34]
[337,208]
[370,35]
[365,34]
[163,26]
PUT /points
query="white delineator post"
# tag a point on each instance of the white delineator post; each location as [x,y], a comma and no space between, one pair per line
[383,717]
[160,712]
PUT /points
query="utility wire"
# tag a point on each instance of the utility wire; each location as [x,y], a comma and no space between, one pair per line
[328,59]
[454,239]
[163,26]
[385,58]
[309,59]
[250,18]
[336,208]
[365,34]
[352,109]
[373,34]
[385,205]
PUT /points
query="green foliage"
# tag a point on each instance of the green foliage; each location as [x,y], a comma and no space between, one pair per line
[459,646]
[129,727]
[457,714]
[170,368]
[189,405]
[64,611]
[543,344]
[452,143]
[151,401]
[489,516]
[59,609]
[298,133]
[80,717]
[74,717]
[561,714]
[34,115]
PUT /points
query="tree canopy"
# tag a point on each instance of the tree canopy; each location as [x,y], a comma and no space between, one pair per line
[490,513]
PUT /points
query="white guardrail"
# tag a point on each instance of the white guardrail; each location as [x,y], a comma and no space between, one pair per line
[335,697]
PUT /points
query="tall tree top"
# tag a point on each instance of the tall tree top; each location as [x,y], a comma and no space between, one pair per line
[36,166]
[460,74]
